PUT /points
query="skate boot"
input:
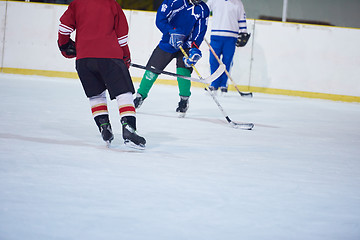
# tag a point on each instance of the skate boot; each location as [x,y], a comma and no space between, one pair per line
[106,133]
[130,136]
[104,126]
[223,90]
[138,100]
[183,106]
[212,89]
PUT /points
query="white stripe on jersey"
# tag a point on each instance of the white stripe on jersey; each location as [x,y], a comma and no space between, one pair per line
[65,30]
[123,41]
[229,18]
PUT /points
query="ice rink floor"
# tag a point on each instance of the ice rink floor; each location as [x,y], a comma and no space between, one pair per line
[295,176]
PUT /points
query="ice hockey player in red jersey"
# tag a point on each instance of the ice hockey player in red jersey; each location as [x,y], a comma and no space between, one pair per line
[102,62]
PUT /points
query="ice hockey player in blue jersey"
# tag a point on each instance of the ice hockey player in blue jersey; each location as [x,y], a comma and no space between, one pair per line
[182,23]
[229,29]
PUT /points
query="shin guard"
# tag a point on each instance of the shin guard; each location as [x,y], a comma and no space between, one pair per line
[184,85]
[146,83]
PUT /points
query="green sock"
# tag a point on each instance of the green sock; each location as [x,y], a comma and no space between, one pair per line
[184,85]
[146,83]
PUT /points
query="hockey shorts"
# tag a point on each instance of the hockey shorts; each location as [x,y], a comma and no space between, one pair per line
[98,74]
[160,59]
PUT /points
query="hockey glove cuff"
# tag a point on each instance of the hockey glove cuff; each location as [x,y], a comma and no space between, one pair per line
[194,56]
[127,61]
[68,49]
[126,56]
[242,39]
[176,38]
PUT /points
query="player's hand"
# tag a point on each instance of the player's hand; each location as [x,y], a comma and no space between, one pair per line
[194,56]
[242,39]
[127,61]
[176,38]
[68,49]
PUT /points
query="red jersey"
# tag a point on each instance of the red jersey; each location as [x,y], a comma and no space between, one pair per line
[101,29]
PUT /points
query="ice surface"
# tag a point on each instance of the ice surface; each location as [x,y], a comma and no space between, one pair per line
[296,175]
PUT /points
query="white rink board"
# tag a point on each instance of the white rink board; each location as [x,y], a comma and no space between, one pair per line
[278,56]
[2,32]
[302,57]
[31,37]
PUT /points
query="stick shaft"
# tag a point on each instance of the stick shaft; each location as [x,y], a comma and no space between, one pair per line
[211,93]
[226,71]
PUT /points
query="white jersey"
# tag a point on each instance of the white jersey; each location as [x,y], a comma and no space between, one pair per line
[228,17]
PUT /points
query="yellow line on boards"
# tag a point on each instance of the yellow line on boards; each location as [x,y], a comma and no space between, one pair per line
[45,73]
[333,97]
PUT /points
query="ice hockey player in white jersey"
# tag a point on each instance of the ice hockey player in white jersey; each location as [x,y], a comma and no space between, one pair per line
[229,29]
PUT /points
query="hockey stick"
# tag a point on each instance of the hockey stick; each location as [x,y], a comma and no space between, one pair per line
[245,126]
[249,94]
[207,80]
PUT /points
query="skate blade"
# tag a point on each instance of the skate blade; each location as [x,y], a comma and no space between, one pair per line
[108,144]
[130,144]
[181,115]
[244,126]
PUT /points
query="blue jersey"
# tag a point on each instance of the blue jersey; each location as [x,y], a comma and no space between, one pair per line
[190,20]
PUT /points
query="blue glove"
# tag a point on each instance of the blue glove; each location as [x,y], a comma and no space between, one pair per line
[176,38]
[194,56]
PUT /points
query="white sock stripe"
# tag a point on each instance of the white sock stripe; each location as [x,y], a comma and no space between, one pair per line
[127,114]
[98,100]
[125,99]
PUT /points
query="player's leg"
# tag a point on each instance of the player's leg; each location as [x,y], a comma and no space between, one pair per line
[120,87]
[159,59]
[101,116]
[217,44]
[227,59]
[128,121]
[94,89]
[183,84]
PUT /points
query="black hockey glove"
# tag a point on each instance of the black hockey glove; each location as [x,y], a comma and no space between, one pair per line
[242,39]
[68,49]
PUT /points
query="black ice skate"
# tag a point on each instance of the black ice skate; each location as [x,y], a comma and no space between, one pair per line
[103,123]
[138,100]
[106,133]
[131,138]
[223,89]
[212,90]
[183,106]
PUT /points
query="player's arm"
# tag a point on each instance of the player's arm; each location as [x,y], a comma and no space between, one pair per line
[196,38]
[162,15]
[243,34]
[176,35]
[66,27]
[200,28]
[122,31]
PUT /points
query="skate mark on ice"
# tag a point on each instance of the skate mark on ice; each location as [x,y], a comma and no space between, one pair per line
[66,142]
[211,120]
